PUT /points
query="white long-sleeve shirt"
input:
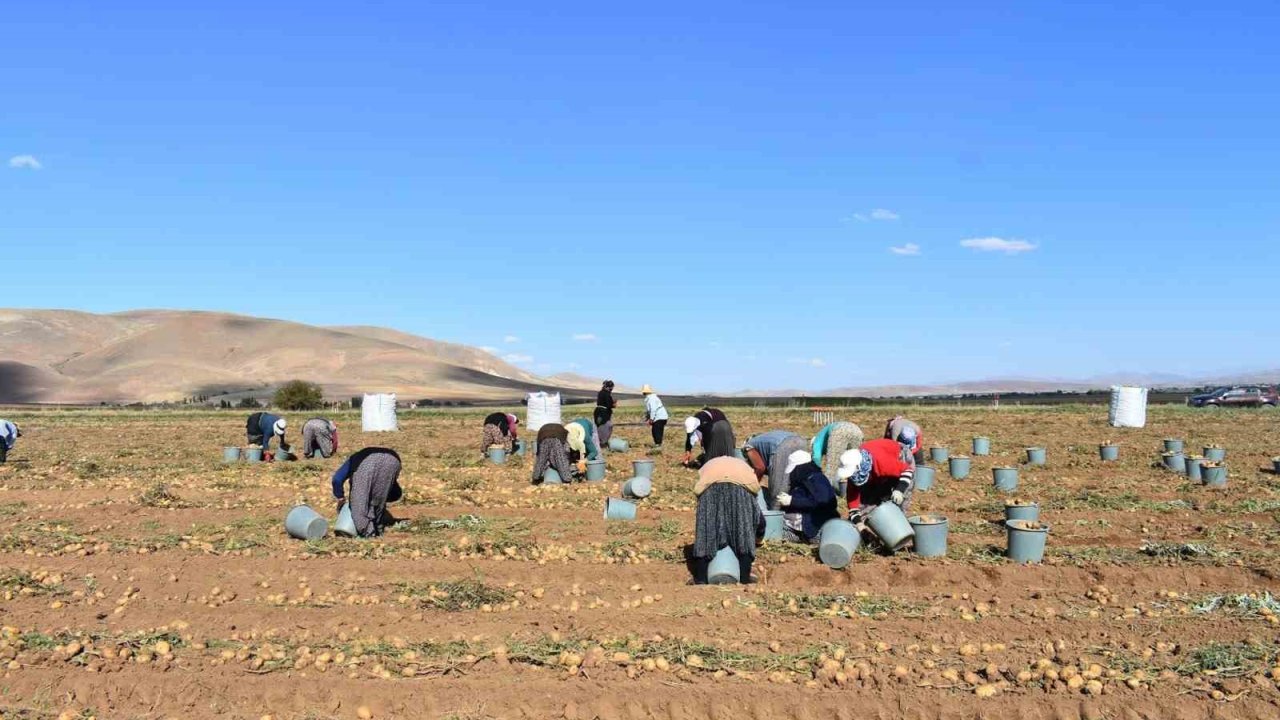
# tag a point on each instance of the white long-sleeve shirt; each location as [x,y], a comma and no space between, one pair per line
[654,410]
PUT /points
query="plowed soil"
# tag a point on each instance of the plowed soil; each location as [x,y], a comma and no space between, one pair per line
[142,577]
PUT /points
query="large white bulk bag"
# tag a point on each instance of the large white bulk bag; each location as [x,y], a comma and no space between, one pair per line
[378,413]
[1128,406]
[544,408]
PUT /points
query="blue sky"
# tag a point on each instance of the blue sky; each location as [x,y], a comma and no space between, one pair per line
[712,192]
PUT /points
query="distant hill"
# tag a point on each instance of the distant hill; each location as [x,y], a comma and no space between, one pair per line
[64,356]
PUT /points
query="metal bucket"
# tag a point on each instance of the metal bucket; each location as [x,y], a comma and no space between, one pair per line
[252,454]
[551,477]
[1213,453]
[1174,461]
[931,535]
[284,456]
[1214,475]
[1022,512]
[615,509]
[1109,452]
[1191,464]
[959,466]
[724,568]
[773,525]
[1036,456]
[924,478]
[618,445]
[643,468]
[1026,544]
[981,446]
[304,523]
[1005,478]
[596,470]
[519,448]
[637,487]
[345,525]
[837,542]
[889,524]
[230,454]
[1172,445]
[939,454]
[497,454]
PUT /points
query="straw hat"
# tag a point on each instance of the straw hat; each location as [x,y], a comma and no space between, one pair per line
[646,390]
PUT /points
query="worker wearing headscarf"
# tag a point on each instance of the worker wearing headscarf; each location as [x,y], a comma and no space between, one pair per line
[590,446]
[500,430]
[9,434]
[876,474]
[830,443]
[553,453]
[727,516]
[319,438]
[263,427]
[604,411]
[767,454]
[374,474]
[710,428]
[810,500]
[655,413]
[907,433]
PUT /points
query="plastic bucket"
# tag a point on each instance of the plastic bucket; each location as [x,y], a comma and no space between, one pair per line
[615,509]
[931,535]
[924,477]
[344,525]
[1172,445]
[724,568]
[596,470]
[959,467]
[1214,454]
[1036,456]
[981,446]
[551,477]
[618,445]
[643,468]
[773,525]
[761,501]
[519,448]
[1026,543]
[1191,465]
[1214,475]
[1109,452]
[939,454]
[1174,461]
[890,525]
[304,523]
[252,454]
[637,487]
[1005,478]
[1022,512]
[284,456]
[231,454]
[497,454]
[837,542]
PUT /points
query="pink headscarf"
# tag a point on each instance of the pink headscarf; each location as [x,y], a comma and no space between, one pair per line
[512,422]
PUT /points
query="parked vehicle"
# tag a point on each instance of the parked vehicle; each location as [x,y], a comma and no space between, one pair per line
[1237,396]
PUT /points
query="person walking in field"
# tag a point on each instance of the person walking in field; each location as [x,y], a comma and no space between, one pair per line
[500,430]
[810,500]
[604,411]
[263,427]
[9,434]
[908,434]
[727,516]
[655,413]
[319,438]
[373,474]
[553,453]
[876,473]
[767,454]
[710,428]
[830,443]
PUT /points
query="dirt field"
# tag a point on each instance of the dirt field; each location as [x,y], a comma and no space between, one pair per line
[141,577]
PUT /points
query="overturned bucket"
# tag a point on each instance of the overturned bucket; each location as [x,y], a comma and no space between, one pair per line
[1005,478]
[1191,464]
[939,454]
[596,470]
[253,454]
[889,524]
[615,509]
[304,523]
[643,468]
[1021,510]
[345,525]
[981,446]
[724,568]
[637,487]
[1026,540]
[1109,452]
[924,478]
[1175,461]
[1213,474]
[497,454]
[773,525]
[837,542]
[618,445]
[231,455]
[931,535]
[959,466]
[1214,453]
[1036,456]
[1173,445]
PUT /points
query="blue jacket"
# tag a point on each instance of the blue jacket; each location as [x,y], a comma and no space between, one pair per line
[8,434]
[266,426]
[812,497]
[767,443]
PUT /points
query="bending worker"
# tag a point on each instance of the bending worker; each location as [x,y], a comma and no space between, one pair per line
[767,454]
[262,427]
[9,434]
[553,453]
[809,501]
[319,438]
[374,473]
[710,428]
[830,443]
[499,429]
[907,433]
[876,474]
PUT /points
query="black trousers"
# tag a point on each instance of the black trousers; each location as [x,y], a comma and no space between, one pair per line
[659,427]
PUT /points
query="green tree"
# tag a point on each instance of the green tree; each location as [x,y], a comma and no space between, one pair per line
[299,395]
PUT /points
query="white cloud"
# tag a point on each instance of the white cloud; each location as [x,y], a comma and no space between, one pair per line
[25,162]
[995,244]
[882,214]
[510,339]
[518,358]
[585,337]
[908,249]
[811,362]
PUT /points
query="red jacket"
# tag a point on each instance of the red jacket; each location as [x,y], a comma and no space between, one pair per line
[887,468]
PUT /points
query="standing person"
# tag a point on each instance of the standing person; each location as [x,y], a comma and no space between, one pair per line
[553,453]
[810,500]
[319,438]
[262,427]
[710,428]
[727,516]
[767,454]
[9,434]
[499,429]
[830,443]
[655,413]
[876,474]
[604,411]
[374,473]
[908,434]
